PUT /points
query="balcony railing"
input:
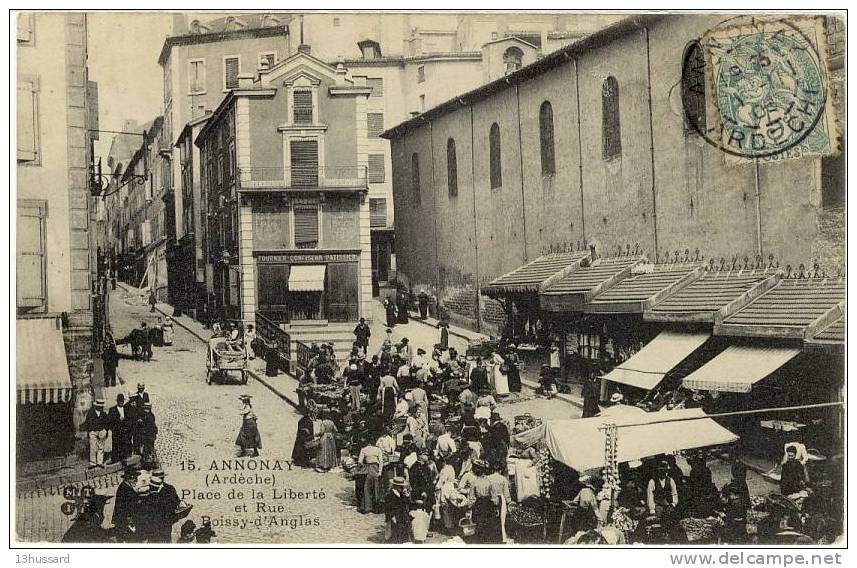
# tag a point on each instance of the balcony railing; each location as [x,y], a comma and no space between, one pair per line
[302,178]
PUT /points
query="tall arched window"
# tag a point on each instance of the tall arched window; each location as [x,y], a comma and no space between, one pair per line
[546,139]
[415,177]
[693,88]
[494,156]
[451,168]
[513,59]
[611,138]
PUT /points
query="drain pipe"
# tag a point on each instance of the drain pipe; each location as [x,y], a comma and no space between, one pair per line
[758,207]
[521,156]
[475,230]
[434,205]
[579,150]
[652,141]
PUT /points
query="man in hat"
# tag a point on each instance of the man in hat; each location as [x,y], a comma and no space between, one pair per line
[126,505]
[96,424]
[164,500]
[353,379]
[662,493]
[120,426]
[134,406]
[479,376]
[147,433]
[397,515]
[591,394]
[423,301]
[146,338]
[405,351]
[87,524]
[362,333]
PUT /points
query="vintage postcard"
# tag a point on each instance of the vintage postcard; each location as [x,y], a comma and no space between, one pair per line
[465,278]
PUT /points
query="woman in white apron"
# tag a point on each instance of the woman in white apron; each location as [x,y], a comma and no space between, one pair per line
[501,381]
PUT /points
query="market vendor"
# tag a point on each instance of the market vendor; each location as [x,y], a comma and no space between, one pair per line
[486,513]
[662,493]
[794,477]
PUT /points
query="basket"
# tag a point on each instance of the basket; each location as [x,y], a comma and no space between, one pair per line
[468,527]
[182,511]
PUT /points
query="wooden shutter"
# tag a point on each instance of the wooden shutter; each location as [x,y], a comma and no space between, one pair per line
[28,123]
[377,212]
[377,85]
[375,124]
[306,225]
[376,168]
[303,107]
[451,168]
[30,266]
[494,157]
[231,69]
[304,154]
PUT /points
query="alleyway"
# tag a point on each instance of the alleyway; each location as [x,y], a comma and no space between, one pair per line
[199,422]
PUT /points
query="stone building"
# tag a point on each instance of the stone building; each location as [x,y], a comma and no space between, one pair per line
[57,323]
[591,144]
[284,167]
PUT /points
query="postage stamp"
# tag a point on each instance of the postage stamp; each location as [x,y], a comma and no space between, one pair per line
[768,85]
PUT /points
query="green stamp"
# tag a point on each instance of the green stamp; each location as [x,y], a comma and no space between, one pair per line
[769,84]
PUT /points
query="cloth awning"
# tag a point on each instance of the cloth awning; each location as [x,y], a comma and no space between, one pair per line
[580,443]
[307,277]
[41,367]
[649,365]
[739,367]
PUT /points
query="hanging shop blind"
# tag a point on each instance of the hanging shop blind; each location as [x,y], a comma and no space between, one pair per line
[303,107]
[230,72]
[306,225]
[375,123]
[304,162]
[377,212]
[376,168]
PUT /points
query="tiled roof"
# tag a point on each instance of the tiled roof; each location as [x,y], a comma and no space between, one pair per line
[586,279]
[643,285]
[791,303]
[835,332]
[529,277]
[700,299]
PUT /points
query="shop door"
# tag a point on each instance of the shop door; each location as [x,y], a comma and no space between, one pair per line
[341,292]
[304,155]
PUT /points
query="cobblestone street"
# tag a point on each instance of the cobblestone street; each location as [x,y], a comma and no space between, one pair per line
[199,422]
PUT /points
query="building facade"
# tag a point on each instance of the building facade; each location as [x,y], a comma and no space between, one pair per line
[284,163]
[59,316]
[591,145]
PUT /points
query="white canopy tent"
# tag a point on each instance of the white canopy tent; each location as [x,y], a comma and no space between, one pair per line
[646,368]
[580,443]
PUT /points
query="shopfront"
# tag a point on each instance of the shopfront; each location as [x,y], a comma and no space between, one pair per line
[317,286]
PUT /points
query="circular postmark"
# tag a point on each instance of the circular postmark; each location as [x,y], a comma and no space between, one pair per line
[766,81]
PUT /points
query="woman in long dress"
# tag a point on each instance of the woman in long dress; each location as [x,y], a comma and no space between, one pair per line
[249,441]
[327,457]
[486,513]
[301,456]
[501,381]
[388,391]
[370,460]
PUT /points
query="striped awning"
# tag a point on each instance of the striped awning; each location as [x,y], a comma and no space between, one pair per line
[307,277]
[739,367]
[41,366]
[646,368]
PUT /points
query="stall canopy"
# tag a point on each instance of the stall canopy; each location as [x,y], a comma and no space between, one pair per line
[307,278]
[649,365]
[532,276]
[580,443]
[41,367]
[739,367]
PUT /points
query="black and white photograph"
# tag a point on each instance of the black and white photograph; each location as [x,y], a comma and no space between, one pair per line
[438,278]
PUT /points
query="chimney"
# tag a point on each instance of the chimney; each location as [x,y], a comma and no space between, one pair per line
[304,48]
[245,80]
[341,69]
[414,113]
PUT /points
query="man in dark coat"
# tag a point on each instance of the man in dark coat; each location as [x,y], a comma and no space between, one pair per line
[134,406]
[479,376]
[390,310]
[362,333]
[398,514]
[164,500]
[120,427]
[87,525]
[423,301]
[145,342]
[591,394]
[126,504]
[110,360]
[147,433]
[402,307]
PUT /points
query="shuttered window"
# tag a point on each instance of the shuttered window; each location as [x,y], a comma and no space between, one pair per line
[451,168]
[377,85]
[375,124]
[494,156]
[231,68]
[306,226]
[28,121]
[546,138]
[304,157]
[377,212]
[415,177]
[303,107]
[376,168]
[30,274]
[611,137]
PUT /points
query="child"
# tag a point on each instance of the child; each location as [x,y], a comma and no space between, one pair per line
[419,522]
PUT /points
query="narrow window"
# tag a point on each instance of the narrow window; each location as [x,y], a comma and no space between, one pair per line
[693,89]
[421,74]
[375,124]
[377,86]
[377,212]
[377,173]
[610,130]
[304,158]
[494,156]
[28,121]
[415,177]
[546,139]
[306,226]
[197,76]
[302,107]
[231,69]
[30,268]
[451,168]
[513,59]
[267,60]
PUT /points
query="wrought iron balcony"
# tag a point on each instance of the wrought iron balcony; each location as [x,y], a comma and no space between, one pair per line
[264,179]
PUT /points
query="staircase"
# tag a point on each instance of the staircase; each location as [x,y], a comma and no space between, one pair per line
[341,334]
